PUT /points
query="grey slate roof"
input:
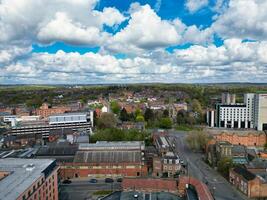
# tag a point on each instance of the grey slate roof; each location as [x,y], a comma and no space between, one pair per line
[108,157]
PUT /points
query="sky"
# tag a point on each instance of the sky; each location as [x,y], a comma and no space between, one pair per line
[132,41]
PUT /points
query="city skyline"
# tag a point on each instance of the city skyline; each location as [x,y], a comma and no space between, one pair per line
[134,41]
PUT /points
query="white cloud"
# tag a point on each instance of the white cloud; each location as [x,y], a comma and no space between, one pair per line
[10,53]
[195,5]
[243,19]
[62,28]
[145,30]
[233,61]
[32,20]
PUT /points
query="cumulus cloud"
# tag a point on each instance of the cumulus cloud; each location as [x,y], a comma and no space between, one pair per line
[243,19]
[145,30]
[233,61]
[10,53]
[53,20]
[195,5]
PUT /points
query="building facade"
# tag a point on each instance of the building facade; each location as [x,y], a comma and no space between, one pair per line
[249,114]
[246,138]
[30,179]
[252,185]
[107,159]
[45,111]
[261,112]
[61,122]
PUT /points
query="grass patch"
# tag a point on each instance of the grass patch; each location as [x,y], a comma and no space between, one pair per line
[102,192]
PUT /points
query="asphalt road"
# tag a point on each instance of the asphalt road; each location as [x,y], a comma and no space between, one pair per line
[219,187]
[83,190]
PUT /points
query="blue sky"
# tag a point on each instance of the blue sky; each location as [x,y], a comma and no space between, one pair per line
[132,41]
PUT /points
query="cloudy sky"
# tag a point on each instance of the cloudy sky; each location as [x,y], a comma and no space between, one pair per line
[129,41]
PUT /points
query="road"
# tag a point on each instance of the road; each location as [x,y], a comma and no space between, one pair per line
[83,190]
[219,187]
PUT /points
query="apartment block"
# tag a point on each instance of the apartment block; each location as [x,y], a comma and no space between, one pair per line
[28,179]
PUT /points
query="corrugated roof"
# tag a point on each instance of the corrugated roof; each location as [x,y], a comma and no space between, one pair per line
[108,157]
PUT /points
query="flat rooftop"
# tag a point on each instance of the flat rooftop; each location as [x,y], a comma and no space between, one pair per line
[68,114]
[22,173]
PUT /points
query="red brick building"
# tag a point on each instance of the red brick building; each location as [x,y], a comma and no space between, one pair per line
[44,111]
[29,179]
[252,185]
[246,138]
[118,159]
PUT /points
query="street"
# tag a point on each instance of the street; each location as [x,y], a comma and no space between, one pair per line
[83,189]
[219,187]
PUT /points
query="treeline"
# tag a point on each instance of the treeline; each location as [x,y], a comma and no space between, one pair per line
[115,134]
[202,92]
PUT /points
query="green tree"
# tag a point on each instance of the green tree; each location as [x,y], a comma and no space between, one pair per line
[124,115]
[115,107]
[107,120]
[165,123]
[224,165]
[165,113]
[35,102]
[140,118]
[138,112]
[149,115]
[196,106]
[181,117]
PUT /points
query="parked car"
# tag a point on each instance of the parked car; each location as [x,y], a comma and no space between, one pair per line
[109,180]
[67,181]
[119,180]
[93,180]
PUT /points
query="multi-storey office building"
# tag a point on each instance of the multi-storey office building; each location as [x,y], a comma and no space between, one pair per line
[66,121]
[250,114]
[30,179]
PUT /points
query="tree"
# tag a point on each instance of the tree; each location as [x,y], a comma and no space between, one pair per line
[224,165]
[165,113]
[149,115]
[265,146]
[35,102]
[107,120]
[197,140]
[196,106]
[115,107]
[181,117]
[138,112]
[124,115]
[165,123]
[140,118]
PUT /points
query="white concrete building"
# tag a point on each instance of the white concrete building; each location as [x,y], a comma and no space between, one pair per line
[250,114]
[260,112]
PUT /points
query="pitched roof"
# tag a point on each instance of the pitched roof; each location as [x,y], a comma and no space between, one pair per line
[244,173]
[108,156]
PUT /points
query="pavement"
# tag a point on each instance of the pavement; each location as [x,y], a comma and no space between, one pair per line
[220,188]
[83,189]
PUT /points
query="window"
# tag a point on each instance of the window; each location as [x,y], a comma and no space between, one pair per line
[29,193]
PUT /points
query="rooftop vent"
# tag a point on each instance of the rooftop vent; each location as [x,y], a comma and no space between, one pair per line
[29,167]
